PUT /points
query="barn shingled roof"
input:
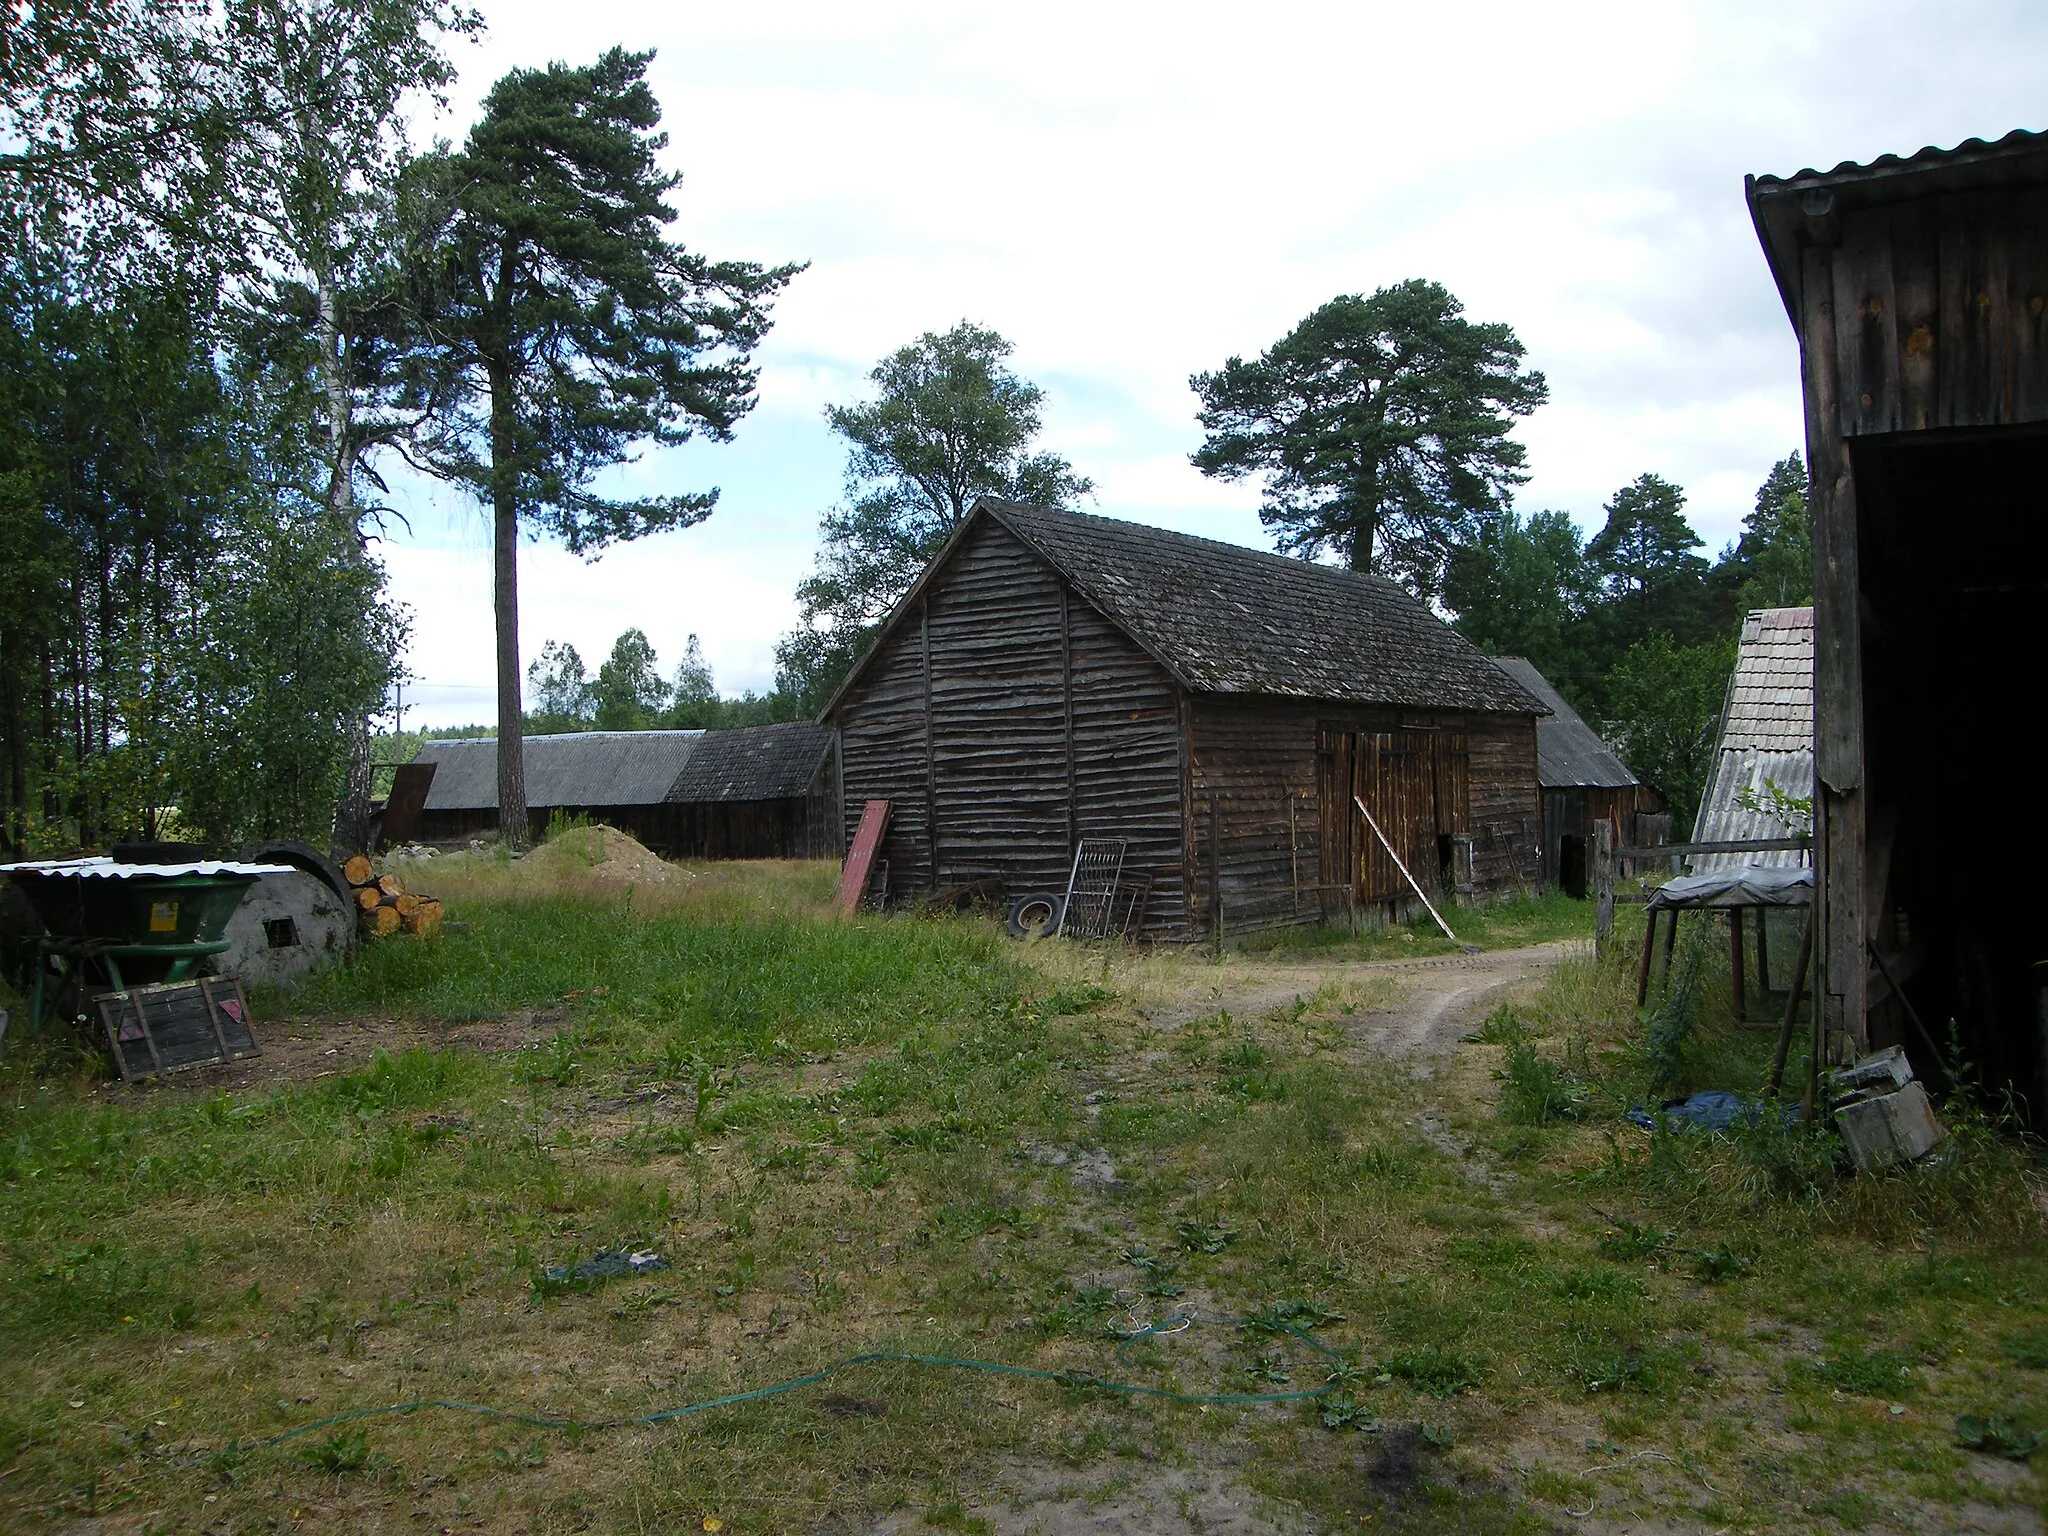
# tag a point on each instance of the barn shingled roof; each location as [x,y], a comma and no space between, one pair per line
[581,768]
[1766,734]
[1569,752]
[755,762]
[1225,619]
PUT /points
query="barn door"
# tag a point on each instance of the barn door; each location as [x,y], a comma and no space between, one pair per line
[1417,785]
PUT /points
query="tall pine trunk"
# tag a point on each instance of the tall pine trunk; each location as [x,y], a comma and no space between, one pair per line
[512,829]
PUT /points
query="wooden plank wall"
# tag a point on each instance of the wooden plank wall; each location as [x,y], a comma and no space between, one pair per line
[1571,811]
[1258,761]
[1918,315]
[750,829]
[1940,311]
[1046,723]
[1507,821]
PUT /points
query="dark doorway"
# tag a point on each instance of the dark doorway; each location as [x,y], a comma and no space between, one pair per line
[1571,866]
[1953,548]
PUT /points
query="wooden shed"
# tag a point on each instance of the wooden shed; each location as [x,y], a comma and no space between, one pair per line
[1582,781]
[1055,676]
[757,792]
[1919,291]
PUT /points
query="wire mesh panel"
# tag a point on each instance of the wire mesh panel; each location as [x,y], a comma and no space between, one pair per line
[1092,888]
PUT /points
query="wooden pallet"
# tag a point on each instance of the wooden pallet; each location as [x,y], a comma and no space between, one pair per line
[177,1026]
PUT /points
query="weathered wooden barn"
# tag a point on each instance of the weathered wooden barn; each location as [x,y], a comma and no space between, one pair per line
[757,792]
[1582,781]
[1054,676]
[1919,291]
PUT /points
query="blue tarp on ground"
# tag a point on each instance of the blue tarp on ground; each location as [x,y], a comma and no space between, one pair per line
[1711,1109]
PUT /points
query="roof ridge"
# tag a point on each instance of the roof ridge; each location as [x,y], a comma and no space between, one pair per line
[1280,561]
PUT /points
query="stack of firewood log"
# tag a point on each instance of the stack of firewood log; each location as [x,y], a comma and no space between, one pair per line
[387,907]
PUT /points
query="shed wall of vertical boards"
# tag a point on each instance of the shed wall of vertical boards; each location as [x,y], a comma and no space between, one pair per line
[1046,723]
[1919,292]
[1286,834]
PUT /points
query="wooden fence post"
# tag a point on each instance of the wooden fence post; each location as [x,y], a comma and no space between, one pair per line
[1603,884]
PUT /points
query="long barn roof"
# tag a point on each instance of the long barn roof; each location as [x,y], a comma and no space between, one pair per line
[1224,619]
[1569,752]
[596,769]
[757,762]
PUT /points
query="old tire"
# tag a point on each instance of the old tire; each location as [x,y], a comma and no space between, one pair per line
[1036,916]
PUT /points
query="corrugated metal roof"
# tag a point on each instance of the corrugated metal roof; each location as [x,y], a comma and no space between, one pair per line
[1569,752]
[1724,818]
[1225,619]
[1929,158]
[756,762]
[1784,208]
[583,768]
[1766,735]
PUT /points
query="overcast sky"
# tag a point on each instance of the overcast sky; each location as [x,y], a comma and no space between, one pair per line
[1134,193]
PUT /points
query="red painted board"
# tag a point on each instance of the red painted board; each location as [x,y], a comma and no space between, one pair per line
[860,858]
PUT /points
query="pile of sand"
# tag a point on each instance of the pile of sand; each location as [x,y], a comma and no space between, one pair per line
[602,854]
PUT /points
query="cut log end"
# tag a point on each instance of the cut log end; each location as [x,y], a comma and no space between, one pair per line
[369,898]
[425,919]
[389,885]
[358,870]
[407,903]
[380,922]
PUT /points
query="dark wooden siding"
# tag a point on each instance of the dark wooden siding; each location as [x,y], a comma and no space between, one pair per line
[1507,819]
[1264,771]
[1939,315]
[1570,811]
[794,828]
[1045,723]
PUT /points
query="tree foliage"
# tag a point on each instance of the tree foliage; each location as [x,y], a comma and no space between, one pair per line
[1380,428]
[1664,711]
[574,328]
[183,630]
[950,422]
[629,693]
[1644,556]
[1632,626]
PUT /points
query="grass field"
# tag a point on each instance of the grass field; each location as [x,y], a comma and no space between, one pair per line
[912,1136]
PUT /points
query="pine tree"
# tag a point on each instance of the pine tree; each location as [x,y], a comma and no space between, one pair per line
[1380,426]
[577,329]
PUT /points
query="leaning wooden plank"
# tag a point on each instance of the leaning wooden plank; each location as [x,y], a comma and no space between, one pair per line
[860,859]
[1412,885]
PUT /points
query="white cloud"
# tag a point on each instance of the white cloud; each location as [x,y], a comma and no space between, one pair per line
[1132,193]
